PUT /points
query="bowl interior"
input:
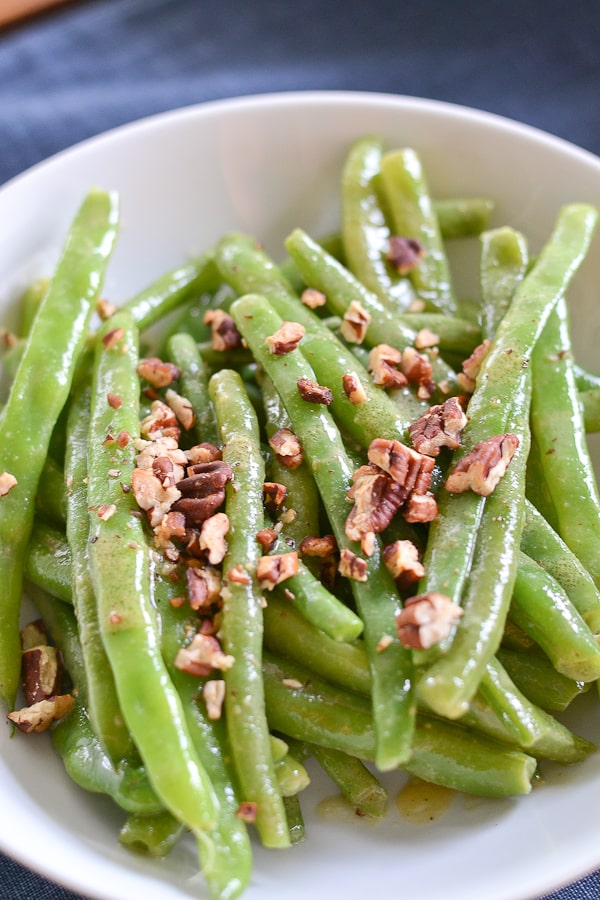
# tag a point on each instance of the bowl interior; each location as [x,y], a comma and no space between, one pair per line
[266,165]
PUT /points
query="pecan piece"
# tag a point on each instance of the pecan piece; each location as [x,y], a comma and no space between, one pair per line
[203,453]
[224,333]
[313,545]
[472,365]
[160,422]
[272,570]
[355,323]
[152,496]
[214,697]
[376,497]
[40,716]
[267,538]
[402,560]
[286,338]
[198,509]
[112,338]
[41,671]
[204,479]
[426,619]
[170,526]
[405,253]
[203,586]
[352,566]
[287,448]
[7,483]
[158,373]
[482,467]
[440,426]
[212,537]
[313,298]
[182,408]
[203,655]
[314,393]
[410,469]
[382,364]
[419,371]
[353,388]
[425,338]
[420,508]
[274,495]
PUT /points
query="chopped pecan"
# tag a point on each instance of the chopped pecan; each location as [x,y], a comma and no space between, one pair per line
[182,408]
[246,811]
[286,338]
[7,483]
[376,498]
[238,575]
[224,333]
[198,509]
[405,253]
[402,560]
[410,469]
[164,458]
[41,715]
[204,479]
[355,323]
[426,338]
[41,673]
[482,467]
[313,298]
[214,697]
[105,309]
[152,496]
[420,508]
[114,400]
[353,388]
[160,422]
[203,453]
[426,619]
[314,393]
[203,586]
[419,371]
[440,426]
[383,362]
[112,338]
[202,656]
[272,570]
[313,545]
[472,365]
[274,495]
[352,566]
[106,511]
[267,538]
[287,448]
[158,373]
[164,469]
[34,635]
[212,537]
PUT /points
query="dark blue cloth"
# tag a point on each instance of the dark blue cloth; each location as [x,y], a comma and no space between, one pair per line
[90,65]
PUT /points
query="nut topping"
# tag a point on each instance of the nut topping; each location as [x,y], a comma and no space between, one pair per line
[182,408]
[313,298]
[7,483]
[440,426]
[212,537]
[286,338]
[313,392]
[313,545]
[427,619]
[224,333]
[41,673]
[376,499]
[158,373]
[355,323]
[405,253]
[287,448]
[382,364]
[203,586]
[40,716]
[272,570]
[472,365]
[406,466]
[402,560]
[352,566]
[203,656]
[418,370]
[214,697]
[353,388]
[482,467]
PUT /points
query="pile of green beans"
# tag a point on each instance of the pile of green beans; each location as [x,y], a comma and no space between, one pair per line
[314,665]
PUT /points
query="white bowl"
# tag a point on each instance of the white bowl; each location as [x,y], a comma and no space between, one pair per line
[265,165]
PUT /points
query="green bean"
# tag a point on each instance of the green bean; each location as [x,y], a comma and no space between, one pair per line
[120,570]
[365,233]
[152,835]
[460,217]
[413,216]
[558,427]
[537,491]
[295,820]
[51,496]
[546,547]
[535,676]
[292,777]
[183,351]
[363,791]
[504,259]
[376,598]
[543,610]
[249,270]
[103,706]
[584,379]
[173,289]
[242,617]
[228,865]
[48,561]
[443,752]
[29,304]
[55,340]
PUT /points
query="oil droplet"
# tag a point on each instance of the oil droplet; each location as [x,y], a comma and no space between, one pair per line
[421,802]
